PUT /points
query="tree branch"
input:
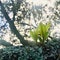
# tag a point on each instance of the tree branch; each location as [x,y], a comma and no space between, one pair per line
[13,28]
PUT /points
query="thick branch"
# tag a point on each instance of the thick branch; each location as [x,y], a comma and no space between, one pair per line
[5,43]
[13,28]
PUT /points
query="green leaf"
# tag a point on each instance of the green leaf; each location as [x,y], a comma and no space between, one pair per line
[34,35]
[41,32]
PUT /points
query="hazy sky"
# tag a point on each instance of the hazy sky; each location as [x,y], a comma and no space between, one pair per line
[37,2]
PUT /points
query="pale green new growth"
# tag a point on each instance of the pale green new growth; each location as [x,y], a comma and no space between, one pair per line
[41,33]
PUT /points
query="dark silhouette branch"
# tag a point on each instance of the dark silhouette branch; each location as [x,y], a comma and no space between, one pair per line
[13,28]
[5,43]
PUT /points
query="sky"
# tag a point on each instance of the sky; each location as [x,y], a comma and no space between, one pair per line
[37,2]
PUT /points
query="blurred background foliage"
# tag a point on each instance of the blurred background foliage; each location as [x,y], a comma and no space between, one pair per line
[26,16]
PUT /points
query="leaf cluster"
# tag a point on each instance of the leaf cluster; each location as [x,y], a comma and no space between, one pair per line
[41,33]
